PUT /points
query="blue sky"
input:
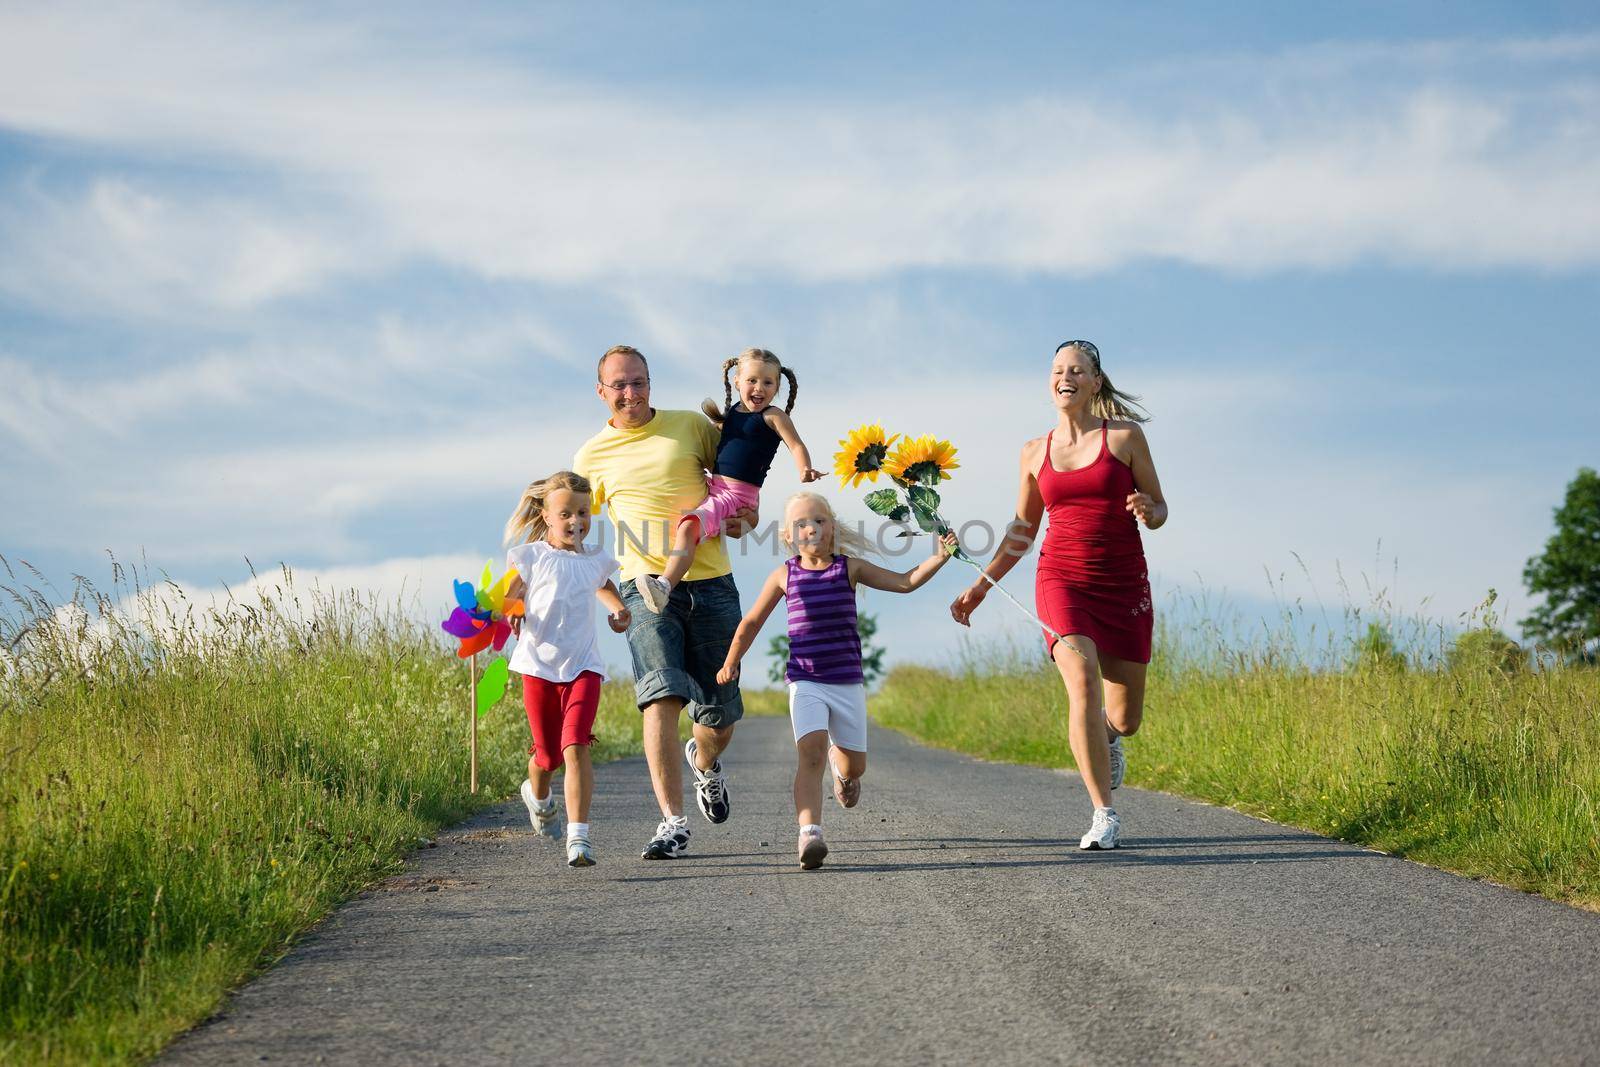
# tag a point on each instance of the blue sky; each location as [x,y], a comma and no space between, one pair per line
[326,284]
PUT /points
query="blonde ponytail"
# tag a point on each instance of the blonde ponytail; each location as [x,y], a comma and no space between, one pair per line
[527,519]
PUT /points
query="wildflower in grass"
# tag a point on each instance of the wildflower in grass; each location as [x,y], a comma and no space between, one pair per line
[861,455]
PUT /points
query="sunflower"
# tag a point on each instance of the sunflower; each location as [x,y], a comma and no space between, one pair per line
[861,455]
[922,460]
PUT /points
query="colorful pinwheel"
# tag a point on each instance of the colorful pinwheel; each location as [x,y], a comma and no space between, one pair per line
[479,618]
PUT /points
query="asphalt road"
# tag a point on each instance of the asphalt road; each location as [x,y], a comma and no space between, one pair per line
[955,921]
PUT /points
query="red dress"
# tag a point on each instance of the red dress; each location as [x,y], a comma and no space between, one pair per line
[1092,578]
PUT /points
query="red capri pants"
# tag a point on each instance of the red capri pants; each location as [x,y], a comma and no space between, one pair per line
[560,714]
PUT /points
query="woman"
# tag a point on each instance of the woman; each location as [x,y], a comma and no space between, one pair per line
[1093,474]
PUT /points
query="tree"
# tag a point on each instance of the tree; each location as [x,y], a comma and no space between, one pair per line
[1376,651]
[1486,647]
[871,655]
[1568,574]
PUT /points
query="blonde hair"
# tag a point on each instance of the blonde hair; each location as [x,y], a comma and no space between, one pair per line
[1110,402]
[760,355]
[846,541]
[527,521]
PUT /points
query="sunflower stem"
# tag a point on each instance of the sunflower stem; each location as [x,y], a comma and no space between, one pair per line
[964,558]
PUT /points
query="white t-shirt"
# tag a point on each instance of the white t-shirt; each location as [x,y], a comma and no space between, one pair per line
[558,635]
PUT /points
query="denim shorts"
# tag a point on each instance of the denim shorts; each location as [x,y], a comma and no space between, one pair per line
[679,652]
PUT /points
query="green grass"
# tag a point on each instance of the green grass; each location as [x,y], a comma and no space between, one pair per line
[1465,765]
[184,791]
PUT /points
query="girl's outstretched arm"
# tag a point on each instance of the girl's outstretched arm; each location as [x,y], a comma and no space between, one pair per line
[781,422]
[1020,532]
[875,577]
[771,592]
[619,616]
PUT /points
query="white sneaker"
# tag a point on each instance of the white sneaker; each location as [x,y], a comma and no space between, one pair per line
[547,819]
[1119,762]
[1103,831]
[710,787]
[579,854]
[671,841]
[654,591]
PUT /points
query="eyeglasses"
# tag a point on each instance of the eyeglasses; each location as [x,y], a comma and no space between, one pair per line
[1087,346]
[638,385]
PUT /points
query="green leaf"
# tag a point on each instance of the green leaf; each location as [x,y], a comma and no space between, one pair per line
[900,514]
[923,499]
[883,501]
[925,508]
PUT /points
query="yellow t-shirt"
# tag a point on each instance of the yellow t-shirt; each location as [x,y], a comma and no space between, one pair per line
[651,477]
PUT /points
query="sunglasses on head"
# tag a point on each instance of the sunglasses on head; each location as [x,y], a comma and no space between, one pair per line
[1087,347]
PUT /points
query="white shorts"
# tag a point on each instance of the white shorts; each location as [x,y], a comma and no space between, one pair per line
[839,709]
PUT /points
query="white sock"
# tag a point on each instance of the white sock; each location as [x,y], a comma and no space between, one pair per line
[548,803]
[811,828]
[678,820]
[1108,811]
[577,829]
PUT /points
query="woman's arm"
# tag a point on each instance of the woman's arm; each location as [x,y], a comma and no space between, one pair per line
[1021,531]
[874,577]
[781,422]
[1146,502]
[751,624]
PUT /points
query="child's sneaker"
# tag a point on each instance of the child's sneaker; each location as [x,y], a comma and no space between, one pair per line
[812,849]
[654,591]
[1103,831]
[546,818]
[1119,762]
[671,840]
[845,790]
[579,854]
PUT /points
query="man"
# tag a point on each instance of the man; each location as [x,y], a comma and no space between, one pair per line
[649,467]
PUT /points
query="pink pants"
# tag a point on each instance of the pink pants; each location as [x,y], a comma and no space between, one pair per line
[723,497]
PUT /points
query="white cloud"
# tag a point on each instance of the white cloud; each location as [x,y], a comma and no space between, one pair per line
[491,168]
[121,247]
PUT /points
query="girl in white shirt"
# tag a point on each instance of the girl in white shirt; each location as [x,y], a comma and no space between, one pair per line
[558,578]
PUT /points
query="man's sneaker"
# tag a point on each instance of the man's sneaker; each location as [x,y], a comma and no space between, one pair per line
[671,840]
[654,591]
[546,820]
[579,854]
[1103,831]
[812,849]
[1119,762]
[710,787]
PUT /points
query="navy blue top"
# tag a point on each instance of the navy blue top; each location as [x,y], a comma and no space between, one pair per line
[747,446]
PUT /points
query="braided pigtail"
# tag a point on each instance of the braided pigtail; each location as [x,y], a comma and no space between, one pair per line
[794,388]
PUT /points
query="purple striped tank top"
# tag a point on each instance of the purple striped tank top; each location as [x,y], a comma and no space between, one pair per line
[824,645]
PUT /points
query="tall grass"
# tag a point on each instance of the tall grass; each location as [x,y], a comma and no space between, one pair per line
[184,788]
[1440,749]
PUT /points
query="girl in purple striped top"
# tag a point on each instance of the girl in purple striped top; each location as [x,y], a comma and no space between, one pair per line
[827,700]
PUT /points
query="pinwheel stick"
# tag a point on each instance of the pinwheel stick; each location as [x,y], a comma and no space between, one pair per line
[472,716]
